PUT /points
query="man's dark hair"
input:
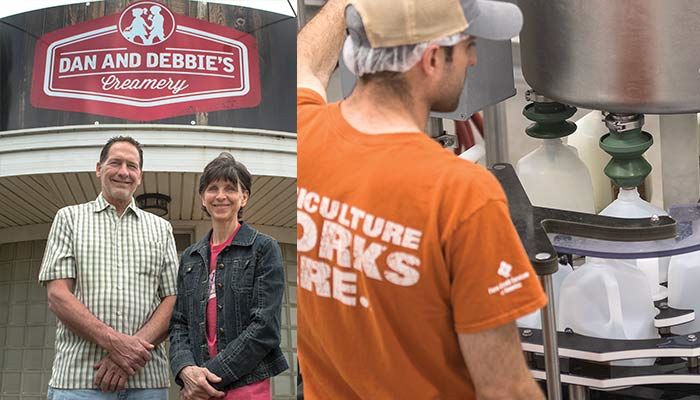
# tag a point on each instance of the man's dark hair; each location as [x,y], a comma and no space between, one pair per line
[116,139]
[393,81]
[449,50]
[226,168]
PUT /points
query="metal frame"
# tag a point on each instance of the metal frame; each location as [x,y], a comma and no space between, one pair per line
[576,359]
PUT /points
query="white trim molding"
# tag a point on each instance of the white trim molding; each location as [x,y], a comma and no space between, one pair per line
[167,148]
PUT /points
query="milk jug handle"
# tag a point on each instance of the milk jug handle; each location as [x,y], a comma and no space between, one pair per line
[612,291]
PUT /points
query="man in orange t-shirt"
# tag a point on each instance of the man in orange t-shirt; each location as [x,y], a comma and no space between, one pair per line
[410,273]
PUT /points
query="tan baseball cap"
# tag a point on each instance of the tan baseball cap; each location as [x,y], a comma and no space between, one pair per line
[391,23]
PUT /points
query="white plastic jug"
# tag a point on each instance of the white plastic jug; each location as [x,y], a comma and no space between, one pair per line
[586,140]
[608,299]
[553,176]
[629,205]
[683,284]
[534,320]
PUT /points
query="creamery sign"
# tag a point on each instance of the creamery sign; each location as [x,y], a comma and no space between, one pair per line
[145,63]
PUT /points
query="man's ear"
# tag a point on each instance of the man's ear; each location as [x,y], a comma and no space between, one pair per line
[430,60]
[98,169]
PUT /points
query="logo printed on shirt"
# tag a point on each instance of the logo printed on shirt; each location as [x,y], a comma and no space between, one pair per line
[511,283]
[504,269]
[348,241]
[212,288]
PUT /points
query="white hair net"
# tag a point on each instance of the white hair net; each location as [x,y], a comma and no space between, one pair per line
[361,58]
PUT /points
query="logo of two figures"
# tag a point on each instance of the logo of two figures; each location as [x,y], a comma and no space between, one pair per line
[139,28]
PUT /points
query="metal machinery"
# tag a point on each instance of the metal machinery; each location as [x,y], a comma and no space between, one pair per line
[626,58]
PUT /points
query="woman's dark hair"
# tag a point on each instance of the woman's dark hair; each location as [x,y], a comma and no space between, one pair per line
[226,168]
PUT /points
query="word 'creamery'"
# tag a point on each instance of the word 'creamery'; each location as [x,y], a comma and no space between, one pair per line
[111,82]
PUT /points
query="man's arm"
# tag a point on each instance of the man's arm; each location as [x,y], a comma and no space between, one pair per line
[156,329]
[109,376]
[496,364]
[318,47]
[129,352]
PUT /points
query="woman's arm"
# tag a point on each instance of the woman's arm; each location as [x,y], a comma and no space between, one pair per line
[262,335]
[180,347]
[195,381]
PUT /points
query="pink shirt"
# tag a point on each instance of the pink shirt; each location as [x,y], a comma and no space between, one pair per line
[255,391]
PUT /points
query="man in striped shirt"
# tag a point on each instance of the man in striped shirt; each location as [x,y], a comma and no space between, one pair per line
[110,271]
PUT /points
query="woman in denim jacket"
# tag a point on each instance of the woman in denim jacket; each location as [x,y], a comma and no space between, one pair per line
[225,328]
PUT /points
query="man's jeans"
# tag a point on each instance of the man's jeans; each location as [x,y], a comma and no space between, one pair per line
[127,394]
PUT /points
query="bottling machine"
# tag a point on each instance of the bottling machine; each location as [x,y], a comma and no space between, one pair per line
[628,59]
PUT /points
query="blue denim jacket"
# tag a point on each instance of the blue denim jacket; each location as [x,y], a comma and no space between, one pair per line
[249,287]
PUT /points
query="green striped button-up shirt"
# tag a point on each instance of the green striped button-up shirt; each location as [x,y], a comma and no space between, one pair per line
[123,267]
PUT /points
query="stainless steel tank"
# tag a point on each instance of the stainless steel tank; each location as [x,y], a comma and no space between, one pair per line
[625,56]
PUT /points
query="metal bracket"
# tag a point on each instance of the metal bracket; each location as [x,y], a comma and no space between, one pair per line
[620,377]
[531,95]
[599,350]
[623,122]
[669,316]
[583,359]
[445,140]
[534,223]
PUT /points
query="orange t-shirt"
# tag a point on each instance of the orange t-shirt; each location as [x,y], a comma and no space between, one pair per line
[400,245]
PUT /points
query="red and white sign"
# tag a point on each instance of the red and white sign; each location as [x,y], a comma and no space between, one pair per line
[145,64]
